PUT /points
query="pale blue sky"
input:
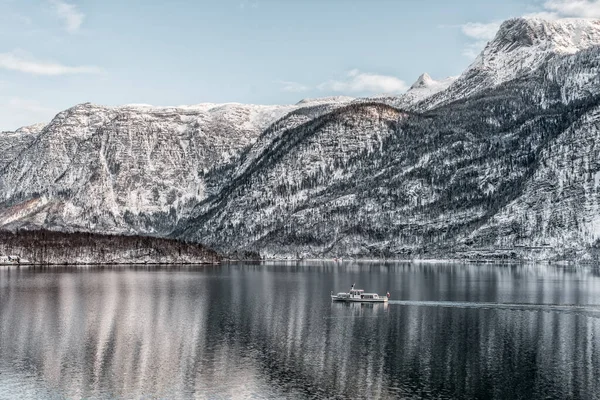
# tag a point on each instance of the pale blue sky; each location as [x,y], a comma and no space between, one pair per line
[58,53]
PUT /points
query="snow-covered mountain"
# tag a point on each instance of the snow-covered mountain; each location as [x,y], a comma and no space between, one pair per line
[122,168]
[126,169]
[426,86]
[423,88]
[501,161]
[508,168]
[520,47]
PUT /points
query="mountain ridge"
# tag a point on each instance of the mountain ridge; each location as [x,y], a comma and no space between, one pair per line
[459,167]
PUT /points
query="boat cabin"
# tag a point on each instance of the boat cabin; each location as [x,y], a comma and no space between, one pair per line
[357,294]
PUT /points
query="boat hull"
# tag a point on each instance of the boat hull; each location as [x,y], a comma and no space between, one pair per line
[351,300]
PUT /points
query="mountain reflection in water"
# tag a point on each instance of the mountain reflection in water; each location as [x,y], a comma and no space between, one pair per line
[271,331]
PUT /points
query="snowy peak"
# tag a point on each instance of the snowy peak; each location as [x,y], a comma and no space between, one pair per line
[424,81]
[424,88]
[26,130]
[430,86]
[31,129]
[522,44]
[519,48]
[562,36]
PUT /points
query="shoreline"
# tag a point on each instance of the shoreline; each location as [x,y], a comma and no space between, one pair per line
[75,264]
[309,260]
[421,261]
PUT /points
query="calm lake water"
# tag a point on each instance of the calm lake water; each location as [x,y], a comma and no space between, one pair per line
[271,331]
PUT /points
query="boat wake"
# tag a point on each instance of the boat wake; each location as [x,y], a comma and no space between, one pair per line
[591,310]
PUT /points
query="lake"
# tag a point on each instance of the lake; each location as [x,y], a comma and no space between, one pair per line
[271,331]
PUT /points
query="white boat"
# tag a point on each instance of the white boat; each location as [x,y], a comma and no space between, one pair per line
[359,296]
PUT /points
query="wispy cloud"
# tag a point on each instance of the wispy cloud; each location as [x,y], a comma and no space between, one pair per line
[479,34]
[570,8]
[356,81]
[481,31]
[18,61]
[289,86]
[69,14]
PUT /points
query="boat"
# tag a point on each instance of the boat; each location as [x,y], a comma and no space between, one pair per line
[359,296]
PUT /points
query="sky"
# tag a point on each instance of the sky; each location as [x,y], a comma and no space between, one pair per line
[55,54]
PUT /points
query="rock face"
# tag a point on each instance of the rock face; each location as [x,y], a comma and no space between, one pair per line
[500,162]
[283,188]
[13,143]
[122,169]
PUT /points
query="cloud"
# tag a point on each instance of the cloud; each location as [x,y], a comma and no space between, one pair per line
[69,14]
[289,86]
[571,8]
[16,61]
[479,34]
[363,82]
[480,31]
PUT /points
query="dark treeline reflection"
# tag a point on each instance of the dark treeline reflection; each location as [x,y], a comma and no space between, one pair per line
[271,331]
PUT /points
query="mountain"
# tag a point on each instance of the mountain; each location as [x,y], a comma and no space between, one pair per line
[519,48]
[218,177]
[13,143]
[412,185]
[500,162]
[128,169]
[122,169]
[506,169]
[423,88]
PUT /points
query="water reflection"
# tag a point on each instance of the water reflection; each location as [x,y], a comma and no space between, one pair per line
[271,331]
